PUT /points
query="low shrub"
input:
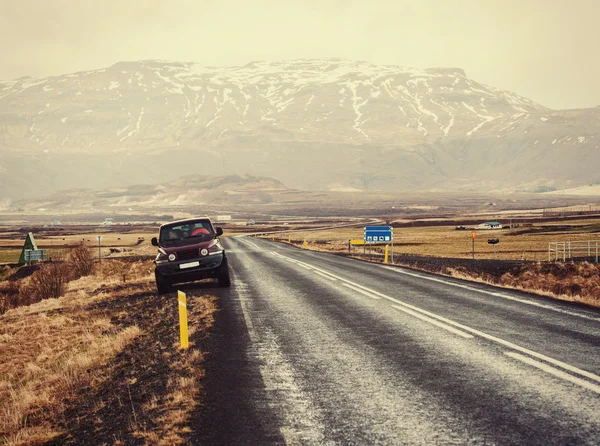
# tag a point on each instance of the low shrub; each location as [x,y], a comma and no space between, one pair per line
[49,281]
[9,295]
[80,261]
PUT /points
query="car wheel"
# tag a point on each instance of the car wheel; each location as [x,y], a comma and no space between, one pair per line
[163,285]
[223,275]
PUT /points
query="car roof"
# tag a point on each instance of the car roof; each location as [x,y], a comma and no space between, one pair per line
[187,220]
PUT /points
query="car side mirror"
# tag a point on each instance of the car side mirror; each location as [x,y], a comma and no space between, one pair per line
[219,231]
[154,241]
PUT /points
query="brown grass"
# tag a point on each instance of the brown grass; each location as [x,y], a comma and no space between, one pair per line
[169,414]
[48,281]
[573,282]
[52,346]
[55,352]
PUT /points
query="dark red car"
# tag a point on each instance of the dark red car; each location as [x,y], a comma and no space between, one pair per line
[189,250]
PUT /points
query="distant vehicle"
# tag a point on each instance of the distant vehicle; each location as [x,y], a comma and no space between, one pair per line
[189,250]
[461,228]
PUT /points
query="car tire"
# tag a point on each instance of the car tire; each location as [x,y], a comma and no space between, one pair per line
[163,286]
[223,275]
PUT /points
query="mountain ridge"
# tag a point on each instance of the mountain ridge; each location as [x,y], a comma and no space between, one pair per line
[315,123]
[187,190]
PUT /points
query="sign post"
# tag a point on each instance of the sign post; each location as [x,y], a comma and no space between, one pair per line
[494,241]
[379,234]
[99,238]
[473,235]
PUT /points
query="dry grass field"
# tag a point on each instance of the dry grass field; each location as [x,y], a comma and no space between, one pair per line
[116,241]
[522,243]
[101,363]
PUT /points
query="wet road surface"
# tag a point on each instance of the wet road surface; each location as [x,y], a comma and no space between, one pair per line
[313,348]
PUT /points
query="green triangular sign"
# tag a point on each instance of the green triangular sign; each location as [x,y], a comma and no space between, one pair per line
[29,244]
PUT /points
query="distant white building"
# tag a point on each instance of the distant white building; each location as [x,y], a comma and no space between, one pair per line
[108,221]
[489,225]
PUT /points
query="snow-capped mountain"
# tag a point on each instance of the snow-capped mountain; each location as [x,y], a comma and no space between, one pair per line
[310,123]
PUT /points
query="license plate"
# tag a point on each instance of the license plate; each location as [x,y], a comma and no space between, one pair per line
[189,265]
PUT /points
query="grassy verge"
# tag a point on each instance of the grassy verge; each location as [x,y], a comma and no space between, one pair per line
[573,282]
[101,364]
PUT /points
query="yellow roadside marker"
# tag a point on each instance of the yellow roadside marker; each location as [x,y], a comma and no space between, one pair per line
[183,324]
[385,257]
[305,245]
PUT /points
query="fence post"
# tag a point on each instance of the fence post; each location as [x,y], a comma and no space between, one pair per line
[596,252]
[589,248]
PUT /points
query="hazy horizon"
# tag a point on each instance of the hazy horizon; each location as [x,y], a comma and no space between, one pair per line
[540,52]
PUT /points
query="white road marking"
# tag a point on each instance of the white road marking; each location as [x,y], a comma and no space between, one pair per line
[358,290]
[326,276]
[466,328]
[491,293]
[434,322]
[553,371]
[304,266]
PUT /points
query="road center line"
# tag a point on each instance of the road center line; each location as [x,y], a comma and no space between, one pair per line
[553,371]
[319,273]
[358,290]
[473,331]
[434,322]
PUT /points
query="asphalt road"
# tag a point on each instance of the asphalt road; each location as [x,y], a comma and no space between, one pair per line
[314,348]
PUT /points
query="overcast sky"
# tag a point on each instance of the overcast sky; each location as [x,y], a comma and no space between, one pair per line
[546,50]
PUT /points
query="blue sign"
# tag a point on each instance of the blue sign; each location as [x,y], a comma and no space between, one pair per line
[378,234]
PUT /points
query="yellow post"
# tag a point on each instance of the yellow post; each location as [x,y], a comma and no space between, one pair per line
[385,257]
[183,324]
[290,239]
[305,245]
[273,238]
